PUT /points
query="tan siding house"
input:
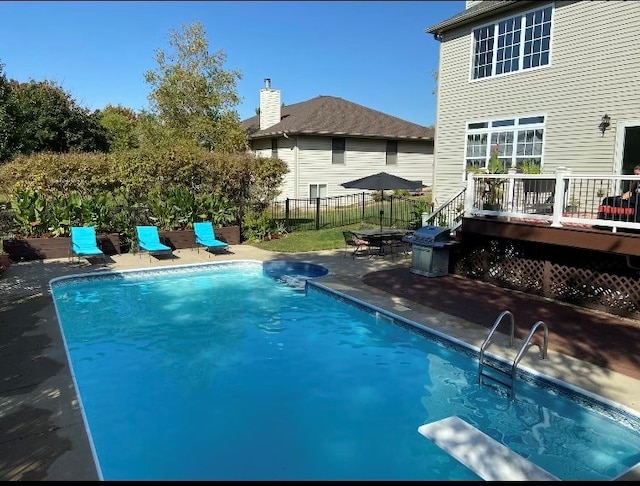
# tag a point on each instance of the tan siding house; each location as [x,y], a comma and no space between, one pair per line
[587,67]
[327,141]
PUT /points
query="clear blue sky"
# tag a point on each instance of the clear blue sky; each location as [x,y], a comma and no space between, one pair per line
[373,53]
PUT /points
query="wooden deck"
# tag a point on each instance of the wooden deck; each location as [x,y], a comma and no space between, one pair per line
[583,237]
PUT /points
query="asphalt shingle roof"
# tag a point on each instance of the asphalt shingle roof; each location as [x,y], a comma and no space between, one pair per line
[475,13]
[332,116]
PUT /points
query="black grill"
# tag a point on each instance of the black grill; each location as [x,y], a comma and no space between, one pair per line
[432,236]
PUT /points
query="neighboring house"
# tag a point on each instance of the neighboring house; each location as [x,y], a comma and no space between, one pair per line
[327,141]
[537,78]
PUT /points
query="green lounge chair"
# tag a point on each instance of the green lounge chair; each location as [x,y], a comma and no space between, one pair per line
[84,243]
[149,241]
[205,236]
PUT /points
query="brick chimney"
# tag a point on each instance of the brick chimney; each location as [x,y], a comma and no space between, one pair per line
[269,105]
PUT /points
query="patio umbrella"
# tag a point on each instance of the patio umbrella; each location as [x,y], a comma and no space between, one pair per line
[380,182]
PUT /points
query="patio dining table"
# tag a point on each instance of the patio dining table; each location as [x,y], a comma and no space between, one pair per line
[382,237]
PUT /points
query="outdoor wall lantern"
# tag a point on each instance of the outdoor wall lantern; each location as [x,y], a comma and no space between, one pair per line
[604,124]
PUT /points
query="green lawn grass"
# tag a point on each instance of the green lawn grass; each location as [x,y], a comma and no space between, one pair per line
[301,241]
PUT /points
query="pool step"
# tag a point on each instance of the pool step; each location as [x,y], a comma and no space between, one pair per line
[485,456]
[507,378]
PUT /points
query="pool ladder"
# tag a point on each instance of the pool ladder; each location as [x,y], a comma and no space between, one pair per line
[505,375]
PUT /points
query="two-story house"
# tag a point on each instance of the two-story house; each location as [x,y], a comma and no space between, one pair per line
[327,141]
[555,83]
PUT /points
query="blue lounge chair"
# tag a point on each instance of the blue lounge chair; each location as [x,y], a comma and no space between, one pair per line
[205,236]
[84,243]
[149,241]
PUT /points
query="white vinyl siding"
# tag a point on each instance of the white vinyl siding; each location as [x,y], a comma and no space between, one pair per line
[588,77]
[261,147]
[286,153]
[363,157]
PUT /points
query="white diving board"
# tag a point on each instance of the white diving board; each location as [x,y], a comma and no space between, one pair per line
[485,456]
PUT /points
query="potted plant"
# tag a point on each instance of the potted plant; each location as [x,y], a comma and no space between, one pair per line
[528,166]
[493,187]
[531,166]
[572,206]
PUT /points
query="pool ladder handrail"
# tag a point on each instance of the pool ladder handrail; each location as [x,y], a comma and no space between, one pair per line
[511,385]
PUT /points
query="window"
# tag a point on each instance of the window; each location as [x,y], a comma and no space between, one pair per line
[274,148]
[337,150]
[500,48]
[517,140]
[392,152]
[317,190]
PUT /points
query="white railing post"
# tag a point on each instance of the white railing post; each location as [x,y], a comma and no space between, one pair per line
[511,190]
[558,198]
[469,196]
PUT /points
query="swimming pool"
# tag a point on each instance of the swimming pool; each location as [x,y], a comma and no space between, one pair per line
[219,371]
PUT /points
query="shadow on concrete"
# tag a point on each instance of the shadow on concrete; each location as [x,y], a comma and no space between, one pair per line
[29,460]
[599,338]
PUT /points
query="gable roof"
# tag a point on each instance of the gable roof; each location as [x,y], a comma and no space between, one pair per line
[476,13]
[332,116]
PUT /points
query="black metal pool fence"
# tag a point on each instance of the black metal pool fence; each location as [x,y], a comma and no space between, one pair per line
[331,212]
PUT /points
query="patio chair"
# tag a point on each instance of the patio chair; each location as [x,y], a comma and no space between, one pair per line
[396,244]
[352,240]
[205,236]
[149,241]
[84,243]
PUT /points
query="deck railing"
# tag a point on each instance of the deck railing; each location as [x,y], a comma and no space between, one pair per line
[587,200]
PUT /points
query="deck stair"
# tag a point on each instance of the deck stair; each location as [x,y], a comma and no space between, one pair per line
[503,374]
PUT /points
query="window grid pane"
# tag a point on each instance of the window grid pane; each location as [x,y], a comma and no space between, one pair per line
[504,142]
[537,38]
[508,46]
[476,163]
[530,143]
[483,52]
[477,145]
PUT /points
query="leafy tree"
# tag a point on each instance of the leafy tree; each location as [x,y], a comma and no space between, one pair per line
[193,96]
[7,119]
[121,125]
[48,119]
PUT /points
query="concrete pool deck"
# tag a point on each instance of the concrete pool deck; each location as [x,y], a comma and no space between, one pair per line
[42,433]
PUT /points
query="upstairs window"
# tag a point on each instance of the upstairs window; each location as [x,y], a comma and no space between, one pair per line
[392,152]
[337,150]
[514,44]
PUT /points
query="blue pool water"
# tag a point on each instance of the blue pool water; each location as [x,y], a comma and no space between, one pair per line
[223,371]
